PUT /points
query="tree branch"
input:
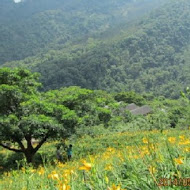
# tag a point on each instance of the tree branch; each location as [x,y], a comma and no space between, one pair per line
[21,145]
[19,142]
[40,144]
[9,148]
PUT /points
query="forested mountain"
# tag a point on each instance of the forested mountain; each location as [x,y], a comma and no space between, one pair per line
[39,25]
[99,46]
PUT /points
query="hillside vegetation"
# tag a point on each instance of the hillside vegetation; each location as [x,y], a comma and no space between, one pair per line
[35,26]
[27,114]
[69,73]
[112,147]
[117,161]
[149,56]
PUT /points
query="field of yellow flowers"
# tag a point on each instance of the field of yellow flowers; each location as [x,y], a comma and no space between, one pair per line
[140,160]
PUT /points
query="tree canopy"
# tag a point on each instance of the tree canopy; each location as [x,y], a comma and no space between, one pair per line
[25,114]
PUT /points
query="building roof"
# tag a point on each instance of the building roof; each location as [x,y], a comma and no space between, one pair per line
[132,106]
[144,110]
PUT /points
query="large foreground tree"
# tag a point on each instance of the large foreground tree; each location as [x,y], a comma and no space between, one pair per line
[26,114]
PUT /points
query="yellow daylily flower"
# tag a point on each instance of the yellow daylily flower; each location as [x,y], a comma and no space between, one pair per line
[186,149]
[172,140]
[109,167]
[86,166]
[64,187]
[61,165]
[145,140]
[53,175]
[32,170]
[184,142]
[41,171]
[178,161]
[114,187]
[182,137]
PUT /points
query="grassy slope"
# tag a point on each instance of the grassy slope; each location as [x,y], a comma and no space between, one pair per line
[132,160]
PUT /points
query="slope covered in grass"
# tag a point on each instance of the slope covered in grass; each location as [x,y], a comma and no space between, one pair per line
[130,160]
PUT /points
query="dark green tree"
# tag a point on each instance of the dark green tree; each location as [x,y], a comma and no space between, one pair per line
[130,97]
[25,114]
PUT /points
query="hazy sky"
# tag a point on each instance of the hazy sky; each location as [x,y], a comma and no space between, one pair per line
[17,1]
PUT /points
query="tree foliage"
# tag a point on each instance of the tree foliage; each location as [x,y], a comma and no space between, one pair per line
[25,114]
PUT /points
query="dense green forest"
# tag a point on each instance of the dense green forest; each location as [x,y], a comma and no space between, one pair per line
[103,47]
[27,113]
[40,25]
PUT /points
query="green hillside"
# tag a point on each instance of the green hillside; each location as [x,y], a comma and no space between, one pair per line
[112,145]
[115,161]
[149,56]
[40,25]
[94,95]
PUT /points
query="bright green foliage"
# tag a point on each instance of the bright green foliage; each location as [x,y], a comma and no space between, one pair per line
[114,161]
[92,107]
[130,97]
[186,94]
[25,114]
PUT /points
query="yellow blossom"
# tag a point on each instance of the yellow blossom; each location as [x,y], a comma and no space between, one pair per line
[178,161]
[110,149]
[53,175]
[145,140]
[184,142]
[23,169]
[32,170]
[66,175]
[61,165]
[114,187]
[86,166]
[7,174]
[187,149]
[41,171]
[182,137]
[172,139]
[62,186]
[109,167]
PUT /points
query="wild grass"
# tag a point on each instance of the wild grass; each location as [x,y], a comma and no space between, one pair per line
[117,161]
